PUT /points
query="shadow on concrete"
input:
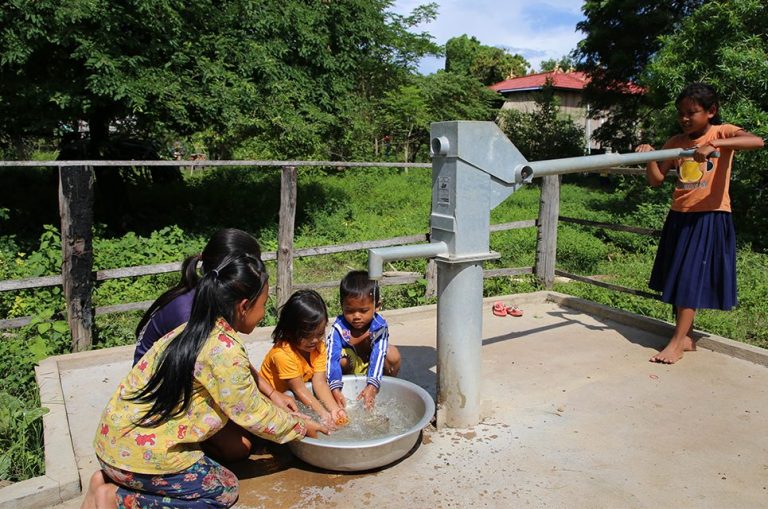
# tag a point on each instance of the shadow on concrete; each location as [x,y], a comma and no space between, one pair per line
[570,317]
[418,365]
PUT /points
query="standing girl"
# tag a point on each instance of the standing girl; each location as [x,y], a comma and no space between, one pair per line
[695,265]
[299,355]
[185,389]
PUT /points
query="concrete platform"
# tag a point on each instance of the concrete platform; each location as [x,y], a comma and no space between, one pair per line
[574,416]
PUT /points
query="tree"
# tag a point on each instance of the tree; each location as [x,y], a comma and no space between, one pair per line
[233,69]
[544,133]
[724,44]
[466,55]
[621,37]
[564,63]
[408,111]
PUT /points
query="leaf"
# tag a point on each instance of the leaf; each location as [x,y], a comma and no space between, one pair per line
[38,348]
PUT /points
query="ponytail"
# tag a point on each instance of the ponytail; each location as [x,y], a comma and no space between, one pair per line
[169,389]
[223,243]
[189,279]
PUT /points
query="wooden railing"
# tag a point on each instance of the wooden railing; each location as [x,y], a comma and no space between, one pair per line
[78,278]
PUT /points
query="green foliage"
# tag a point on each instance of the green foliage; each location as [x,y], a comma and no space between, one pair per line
[21,445]
[43,261]
[407,112]
[542,134]
[621,36]
[468,57]
[22,349]
[578,251]
[396,297]
[564,63]
[286,72]
[724,44]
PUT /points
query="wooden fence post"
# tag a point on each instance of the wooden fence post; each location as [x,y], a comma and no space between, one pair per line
[546,242]
[76,211]
[288,179]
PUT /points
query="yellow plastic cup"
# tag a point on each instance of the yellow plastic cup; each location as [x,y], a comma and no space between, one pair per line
[690,171]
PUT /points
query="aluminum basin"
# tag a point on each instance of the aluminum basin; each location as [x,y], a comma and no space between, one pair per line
[350,456]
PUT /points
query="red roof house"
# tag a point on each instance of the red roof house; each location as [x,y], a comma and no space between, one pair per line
[520,94]
[561,80]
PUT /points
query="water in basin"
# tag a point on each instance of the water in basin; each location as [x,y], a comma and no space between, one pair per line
[387,418]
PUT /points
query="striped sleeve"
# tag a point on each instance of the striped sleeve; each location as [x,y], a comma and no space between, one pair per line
[379,344]
[333,355]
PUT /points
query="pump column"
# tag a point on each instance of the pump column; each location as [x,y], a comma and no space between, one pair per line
[459,342]
[460,218]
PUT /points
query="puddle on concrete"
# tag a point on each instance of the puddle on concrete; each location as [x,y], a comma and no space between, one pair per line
[274,477]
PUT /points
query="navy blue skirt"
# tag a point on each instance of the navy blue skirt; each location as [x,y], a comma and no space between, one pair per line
[695,265]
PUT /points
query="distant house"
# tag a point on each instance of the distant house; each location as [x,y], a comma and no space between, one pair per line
[519,94]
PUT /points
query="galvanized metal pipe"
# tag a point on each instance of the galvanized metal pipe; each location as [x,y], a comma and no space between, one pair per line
[459,342]
[474,168]
[526,172]
[377,257]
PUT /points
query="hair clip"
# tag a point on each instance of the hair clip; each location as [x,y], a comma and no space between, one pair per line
[215,273]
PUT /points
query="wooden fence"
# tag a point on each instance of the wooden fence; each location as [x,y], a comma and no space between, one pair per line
[76,179]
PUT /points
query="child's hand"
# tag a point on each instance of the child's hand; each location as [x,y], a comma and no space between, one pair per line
[339,397]
[340,417]
[644,148]
[327,420]
[284,401]
[313,428]
[702,152]
[368,395]
[301,416]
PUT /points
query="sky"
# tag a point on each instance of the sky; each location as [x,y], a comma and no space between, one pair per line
[536,29]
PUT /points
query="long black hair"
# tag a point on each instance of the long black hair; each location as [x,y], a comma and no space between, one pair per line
[705,96]
[169,389]
[223,243]
[301,314]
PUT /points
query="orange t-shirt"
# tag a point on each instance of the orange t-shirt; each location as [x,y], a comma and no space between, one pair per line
[703,187]
[283,362]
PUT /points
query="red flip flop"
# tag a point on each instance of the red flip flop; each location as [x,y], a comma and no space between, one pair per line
[499,309]
[514,311]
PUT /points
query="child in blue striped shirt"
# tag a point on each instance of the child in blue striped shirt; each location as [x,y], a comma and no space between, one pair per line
[359,339]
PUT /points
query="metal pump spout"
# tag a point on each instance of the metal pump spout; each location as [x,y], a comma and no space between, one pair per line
[377,257]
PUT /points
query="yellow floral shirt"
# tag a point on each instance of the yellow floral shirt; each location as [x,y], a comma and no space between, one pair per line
[222,389]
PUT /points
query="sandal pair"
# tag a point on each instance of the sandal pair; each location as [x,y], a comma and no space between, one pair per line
[501,309]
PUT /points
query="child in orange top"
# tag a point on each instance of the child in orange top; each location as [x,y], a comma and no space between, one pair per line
[299,355]
[695,264]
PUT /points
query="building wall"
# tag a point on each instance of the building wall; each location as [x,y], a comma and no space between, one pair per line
[569,102]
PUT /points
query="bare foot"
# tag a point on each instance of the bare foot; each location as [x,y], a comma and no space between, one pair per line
[673,352]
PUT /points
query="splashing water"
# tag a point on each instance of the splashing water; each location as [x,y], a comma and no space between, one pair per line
[387,418]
